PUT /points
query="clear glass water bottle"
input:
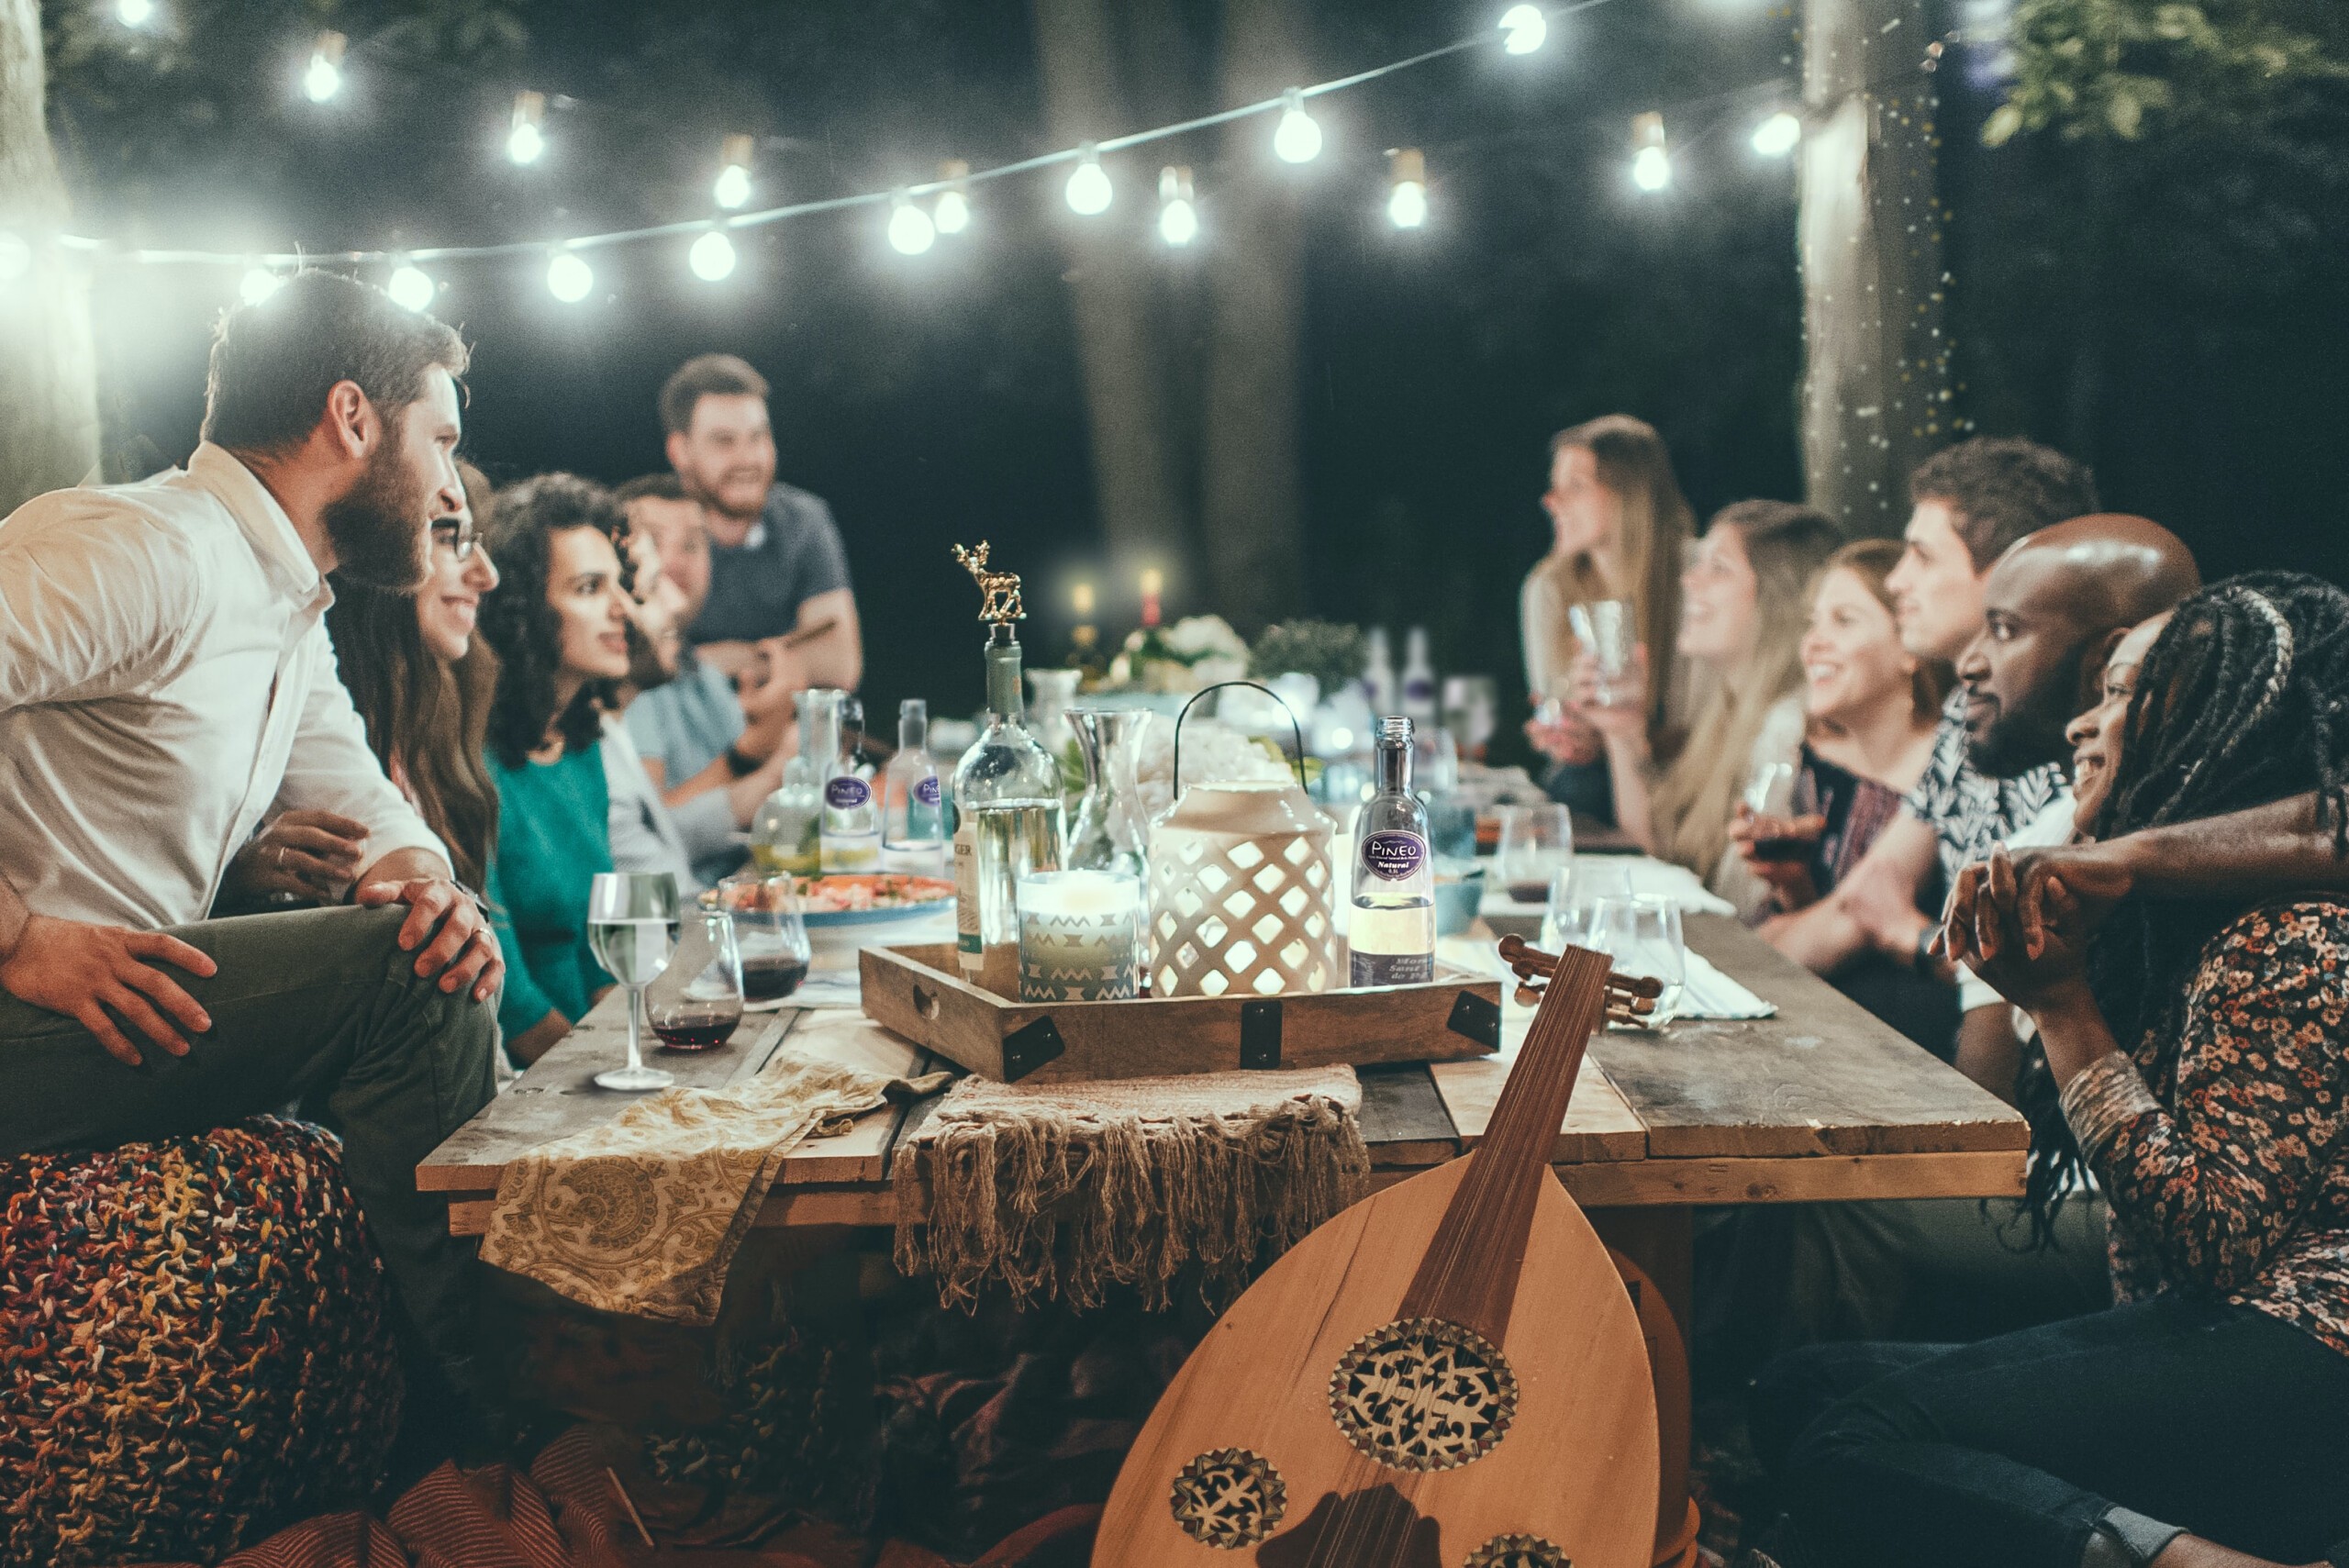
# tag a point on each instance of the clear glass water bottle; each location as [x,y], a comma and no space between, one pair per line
[1392,932]
[1418,702]
[787,833]
[913,814]
[1008,822]
[850,836]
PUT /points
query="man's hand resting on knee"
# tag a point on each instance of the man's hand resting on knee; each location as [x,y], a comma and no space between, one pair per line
[94,974]
[443,920]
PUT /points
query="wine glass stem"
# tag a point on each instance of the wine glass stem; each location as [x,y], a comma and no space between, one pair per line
[635,1024]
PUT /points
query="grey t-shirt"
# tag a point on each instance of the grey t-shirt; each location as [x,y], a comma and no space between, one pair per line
[793,553]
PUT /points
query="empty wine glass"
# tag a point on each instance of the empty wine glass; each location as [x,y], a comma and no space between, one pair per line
[697,1001]
[768,932]
[1536,842]
[1609,631]
[1643,935]
[1575,892]
[631,915]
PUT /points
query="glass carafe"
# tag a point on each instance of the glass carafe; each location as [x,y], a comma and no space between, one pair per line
[1108,832]
[696,1002]
[1053,691]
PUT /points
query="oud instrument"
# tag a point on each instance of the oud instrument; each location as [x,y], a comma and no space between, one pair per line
[1448,1374]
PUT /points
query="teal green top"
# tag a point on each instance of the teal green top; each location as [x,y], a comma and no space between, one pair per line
[553,836]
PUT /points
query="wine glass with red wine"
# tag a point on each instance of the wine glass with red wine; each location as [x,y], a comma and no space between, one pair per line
[770,933]
[1536,842]
[697,1001]
[1770,794]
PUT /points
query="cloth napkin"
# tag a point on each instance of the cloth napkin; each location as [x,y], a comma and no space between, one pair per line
[1709,994]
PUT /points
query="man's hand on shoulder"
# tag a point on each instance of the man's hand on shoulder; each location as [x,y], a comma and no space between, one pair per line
[446,924]
[94,974]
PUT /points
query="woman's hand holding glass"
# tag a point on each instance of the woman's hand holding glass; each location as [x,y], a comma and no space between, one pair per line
[1613,703]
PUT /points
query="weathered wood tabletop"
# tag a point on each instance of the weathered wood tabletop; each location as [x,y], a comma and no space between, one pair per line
[1821,1102]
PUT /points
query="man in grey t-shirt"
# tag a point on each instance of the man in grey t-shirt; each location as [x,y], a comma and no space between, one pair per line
[776,565]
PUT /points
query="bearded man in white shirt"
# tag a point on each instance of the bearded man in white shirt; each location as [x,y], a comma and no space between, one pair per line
[165,674]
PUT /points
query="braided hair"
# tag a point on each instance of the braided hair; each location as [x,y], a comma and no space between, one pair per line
[2243,700]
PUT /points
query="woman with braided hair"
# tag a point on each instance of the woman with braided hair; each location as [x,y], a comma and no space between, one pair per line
[2200,1051]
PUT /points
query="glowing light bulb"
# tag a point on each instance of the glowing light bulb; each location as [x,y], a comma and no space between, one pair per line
[257,283]
[323,77]
[1088,186]
[1523,28]
[1650,165]
[412,286]
[526,141]
[952,214]
[910,229]
[1178,221]
[1406,204]
[1778,136]
[134,13]
[1298,138]
[733,188]
[16,257]
[569,277]
[712,257]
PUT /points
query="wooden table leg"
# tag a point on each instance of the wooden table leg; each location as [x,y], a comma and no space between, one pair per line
[1653,1246]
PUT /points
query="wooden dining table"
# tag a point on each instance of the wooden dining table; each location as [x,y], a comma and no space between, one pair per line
[1819,1102]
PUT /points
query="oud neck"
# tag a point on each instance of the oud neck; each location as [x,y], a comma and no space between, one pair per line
[1469,1275]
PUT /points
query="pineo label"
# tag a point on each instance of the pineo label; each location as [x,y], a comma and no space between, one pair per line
[927,791]
[1393,856]
[847,793]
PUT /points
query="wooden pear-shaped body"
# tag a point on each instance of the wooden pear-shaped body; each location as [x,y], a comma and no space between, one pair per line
[1448,1372]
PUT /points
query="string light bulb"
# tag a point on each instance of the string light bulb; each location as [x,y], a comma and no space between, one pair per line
[1089,185]
[1178,218]
[1298,138]
[1523,28]
[1651,164]
[134,13]
[952,213]
[910,231]
[411,286]
[712,257]
[323,77]
[1779,135]
[527,139]
[257,283]
[1406,203]
[16,257]
[569,277]
[733,188]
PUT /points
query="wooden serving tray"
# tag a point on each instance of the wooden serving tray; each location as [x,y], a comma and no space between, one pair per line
[919,992]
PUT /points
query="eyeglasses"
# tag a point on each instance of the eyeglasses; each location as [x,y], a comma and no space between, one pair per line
[456,536]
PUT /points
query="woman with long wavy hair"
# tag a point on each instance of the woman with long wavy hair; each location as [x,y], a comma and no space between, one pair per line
[1620,529]
[422,683]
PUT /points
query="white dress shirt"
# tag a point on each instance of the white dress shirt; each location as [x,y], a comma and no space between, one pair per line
[164,674]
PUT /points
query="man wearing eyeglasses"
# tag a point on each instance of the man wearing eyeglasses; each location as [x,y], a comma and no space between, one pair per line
[165,676]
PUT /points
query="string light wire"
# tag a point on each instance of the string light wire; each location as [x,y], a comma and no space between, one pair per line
[1485,38]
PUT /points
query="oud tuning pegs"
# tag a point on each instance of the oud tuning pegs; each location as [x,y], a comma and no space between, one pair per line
[1526,958]
[1528,996]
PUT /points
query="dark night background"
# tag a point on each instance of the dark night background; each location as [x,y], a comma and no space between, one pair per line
[2174,311]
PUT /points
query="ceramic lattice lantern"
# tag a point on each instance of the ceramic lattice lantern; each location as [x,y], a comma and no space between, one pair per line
[1240,890]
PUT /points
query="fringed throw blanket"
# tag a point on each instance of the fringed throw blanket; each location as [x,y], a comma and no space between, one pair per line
[644,1213]
[1066,1188]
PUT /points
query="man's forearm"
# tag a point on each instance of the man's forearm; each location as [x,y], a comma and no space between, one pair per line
[2282,847]
[1822,938]
[835,658]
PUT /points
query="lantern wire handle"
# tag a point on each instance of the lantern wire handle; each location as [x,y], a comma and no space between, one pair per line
[1253,686]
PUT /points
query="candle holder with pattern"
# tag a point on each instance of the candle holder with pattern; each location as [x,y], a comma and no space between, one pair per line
[1080,936]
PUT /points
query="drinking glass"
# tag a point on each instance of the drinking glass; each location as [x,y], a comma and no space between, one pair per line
[768,933]
[1643,935]
[1575,892]
[1608,632]
[631,917]
[1537,841]
[1770,791]
[697,1000]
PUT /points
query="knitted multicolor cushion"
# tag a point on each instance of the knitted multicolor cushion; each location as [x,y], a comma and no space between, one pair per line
[193,1346]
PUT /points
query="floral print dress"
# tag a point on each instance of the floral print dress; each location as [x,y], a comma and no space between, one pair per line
[2224,1148]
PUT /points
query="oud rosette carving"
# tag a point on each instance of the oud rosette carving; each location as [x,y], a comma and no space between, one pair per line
[1519,1552]
[1229,1497]
[1422,1394]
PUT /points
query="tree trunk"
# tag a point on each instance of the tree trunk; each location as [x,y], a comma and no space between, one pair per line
[1876,396]
[1250,501]
[48,368]
[1135,470]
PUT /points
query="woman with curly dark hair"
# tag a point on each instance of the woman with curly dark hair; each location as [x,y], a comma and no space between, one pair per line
[2202,1062]
[559,625]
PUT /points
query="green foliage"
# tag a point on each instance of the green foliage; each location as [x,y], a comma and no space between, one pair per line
[2113,68]
[1329,651]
